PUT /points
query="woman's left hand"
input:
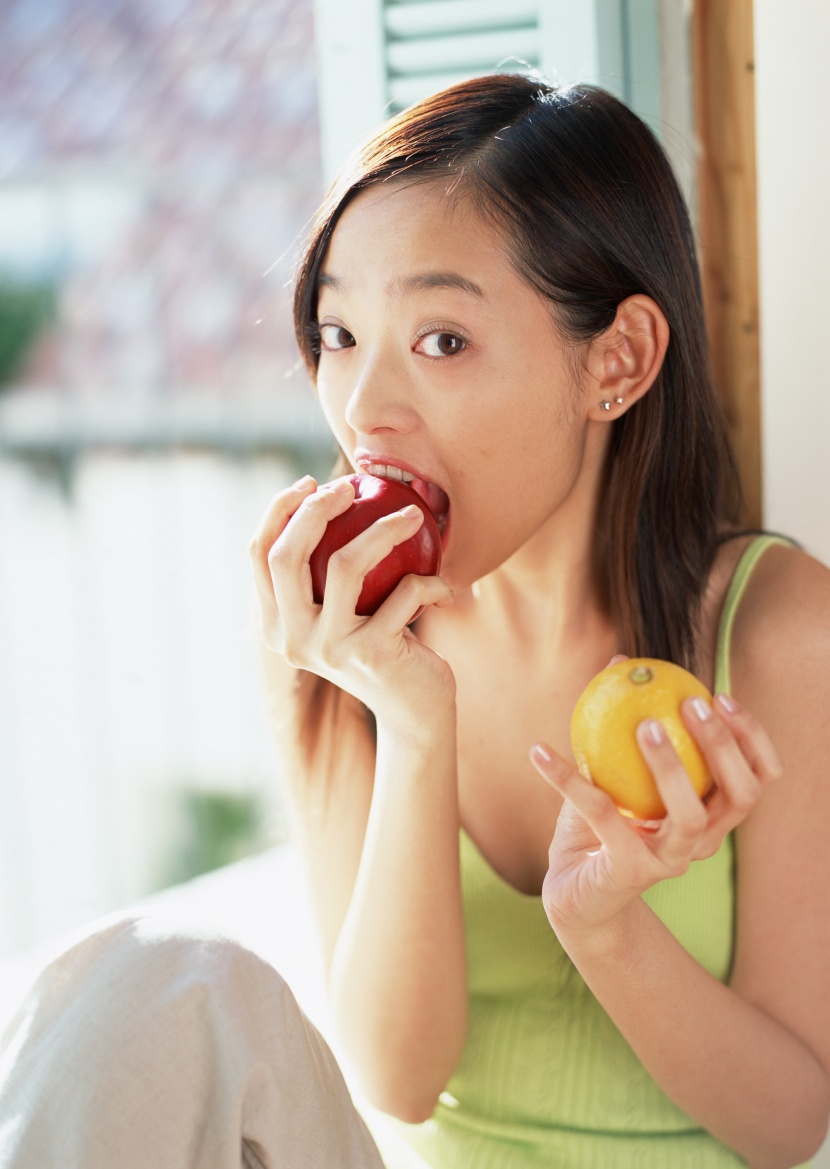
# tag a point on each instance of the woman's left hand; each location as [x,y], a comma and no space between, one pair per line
[600,861]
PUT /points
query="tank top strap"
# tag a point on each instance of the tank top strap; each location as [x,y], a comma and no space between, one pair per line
[740,579]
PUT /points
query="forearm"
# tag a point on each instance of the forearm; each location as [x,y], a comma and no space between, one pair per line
[398,976]
[726,1063]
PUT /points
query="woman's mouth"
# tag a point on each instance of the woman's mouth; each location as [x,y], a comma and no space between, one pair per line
[433,496]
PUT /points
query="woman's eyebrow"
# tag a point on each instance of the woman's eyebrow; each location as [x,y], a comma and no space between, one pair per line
[406,285]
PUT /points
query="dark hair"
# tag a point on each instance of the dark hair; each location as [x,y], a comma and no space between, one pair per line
[591,213]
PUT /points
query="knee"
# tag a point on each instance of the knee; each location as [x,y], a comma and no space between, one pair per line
[133,976]
[140,1023]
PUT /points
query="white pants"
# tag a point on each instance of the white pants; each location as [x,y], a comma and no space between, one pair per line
[143,1047]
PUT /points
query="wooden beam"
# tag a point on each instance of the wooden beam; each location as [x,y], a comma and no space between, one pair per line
[727,222]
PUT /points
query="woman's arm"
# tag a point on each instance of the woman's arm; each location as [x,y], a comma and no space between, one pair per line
[398,979]
[378,829]
[753,1081]
[750,1062]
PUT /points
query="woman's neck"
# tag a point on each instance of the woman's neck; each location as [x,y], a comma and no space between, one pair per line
[548,594]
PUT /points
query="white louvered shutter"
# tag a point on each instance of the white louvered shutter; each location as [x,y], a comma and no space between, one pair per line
[378,56]
[431,44]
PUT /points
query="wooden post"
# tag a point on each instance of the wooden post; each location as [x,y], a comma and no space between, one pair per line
[727,222]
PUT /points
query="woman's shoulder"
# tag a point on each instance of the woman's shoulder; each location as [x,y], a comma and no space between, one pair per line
[781,677]
[783,621]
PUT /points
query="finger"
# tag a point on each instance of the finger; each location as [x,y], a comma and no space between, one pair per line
[753,740]
[277,514]
[618,658]
[348,566]
[411,595]
[739,788]
[722,819]
[686,817]
[288,559]
[731,771]
[597,808]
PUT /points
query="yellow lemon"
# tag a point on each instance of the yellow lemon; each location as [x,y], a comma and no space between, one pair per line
[606,717]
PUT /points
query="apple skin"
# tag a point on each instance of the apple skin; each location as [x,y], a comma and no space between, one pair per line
[420,554]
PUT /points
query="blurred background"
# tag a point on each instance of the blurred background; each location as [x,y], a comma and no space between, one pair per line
[159,161]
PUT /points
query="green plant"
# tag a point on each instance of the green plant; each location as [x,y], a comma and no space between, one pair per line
[212,829]
[27,307]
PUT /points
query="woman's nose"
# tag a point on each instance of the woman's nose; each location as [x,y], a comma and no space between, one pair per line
[378,402]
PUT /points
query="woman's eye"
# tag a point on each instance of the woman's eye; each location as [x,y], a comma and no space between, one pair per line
[335,337]
[441,344]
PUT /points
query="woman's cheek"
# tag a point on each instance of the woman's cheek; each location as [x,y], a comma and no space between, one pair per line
[334,410]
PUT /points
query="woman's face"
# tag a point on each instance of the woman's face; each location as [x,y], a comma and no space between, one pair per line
[439,359]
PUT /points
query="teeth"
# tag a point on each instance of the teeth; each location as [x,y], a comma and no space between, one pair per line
[386,472]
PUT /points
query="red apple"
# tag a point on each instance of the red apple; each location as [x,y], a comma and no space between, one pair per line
[420,554]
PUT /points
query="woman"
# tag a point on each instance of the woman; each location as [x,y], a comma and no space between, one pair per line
[499,300]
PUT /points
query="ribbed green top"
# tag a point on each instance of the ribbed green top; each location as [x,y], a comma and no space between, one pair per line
[546,1079]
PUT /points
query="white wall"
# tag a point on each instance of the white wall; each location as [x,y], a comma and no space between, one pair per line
[793,143]
[793,140]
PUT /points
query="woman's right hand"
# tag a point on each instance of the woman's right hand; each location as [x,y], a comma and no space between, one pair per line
[376,658]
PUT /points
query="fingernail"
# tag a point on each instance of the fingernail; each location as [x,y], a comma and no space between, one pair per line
[654,731]
[537,751]
[702,709]
[727,703]
[303,483]
[340,487]
[410,511]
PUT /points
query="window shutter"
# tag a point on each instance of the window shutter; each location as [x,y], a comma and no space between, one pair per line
[378,56]
[431,44]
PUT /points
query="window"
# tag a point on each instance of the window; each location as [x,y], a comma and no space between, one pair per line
[378,56]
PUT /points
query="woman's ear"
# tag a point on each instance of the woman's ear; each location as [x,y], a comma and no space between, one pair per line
[624,360]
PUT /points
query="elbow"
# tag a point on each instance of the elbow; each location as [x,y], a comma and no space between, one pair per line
[416,1115]
[409,1089]
[398,1090]
[797,1152]
[397,1072]
[815,1133]
[813,1141]
[409,1107]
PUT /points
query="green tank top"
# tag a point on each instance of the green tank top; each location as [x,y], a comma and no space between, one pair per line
[545,1078]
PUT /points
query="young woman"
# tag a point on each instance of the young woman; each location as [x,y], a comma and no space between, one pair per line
[500,299]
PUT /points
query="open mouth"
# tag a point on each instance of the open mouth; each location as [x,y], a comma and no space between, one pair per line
[436,500]
[433,496]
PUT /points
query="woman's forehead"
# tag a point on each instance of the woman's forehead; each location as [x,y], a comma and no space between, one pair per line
[412,237]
